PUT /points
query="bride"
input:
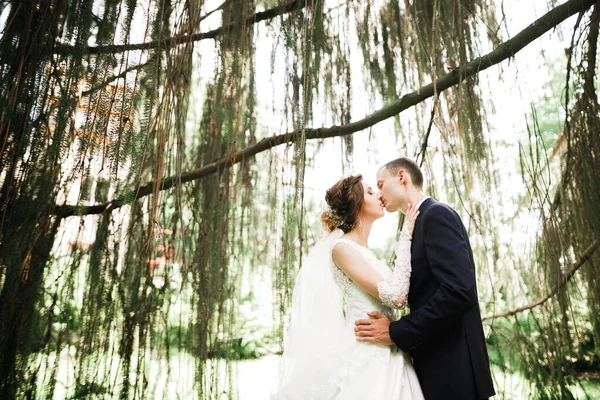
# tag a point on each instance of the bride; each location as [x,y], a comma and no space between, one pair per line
[341,281]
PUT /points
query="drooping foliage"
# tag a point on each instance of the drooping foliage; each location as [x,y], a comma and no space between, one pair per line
[129,253]
[559,340]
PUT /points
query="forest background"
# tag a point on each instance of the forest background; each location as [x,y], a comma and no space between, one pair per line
[163,165]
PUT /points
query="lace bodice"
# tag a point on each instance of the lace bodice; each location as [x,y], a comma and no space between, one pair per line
[357,301]
[393,289]
[322,358]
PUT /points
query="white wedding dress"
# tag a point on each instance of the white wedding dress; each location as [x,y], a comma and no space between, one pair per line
[322,359]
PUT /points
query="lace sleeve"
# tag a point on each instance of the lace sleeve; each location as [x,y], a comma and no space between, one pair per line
[394,291]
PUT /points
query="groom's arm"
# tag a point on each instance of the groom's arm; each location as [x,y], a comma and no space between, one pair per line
[448,255]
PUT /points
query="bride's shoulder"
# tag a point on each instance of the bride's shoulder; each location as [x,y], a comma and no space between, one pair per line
[348,247]
[343,245]
[345,240]
[350,250]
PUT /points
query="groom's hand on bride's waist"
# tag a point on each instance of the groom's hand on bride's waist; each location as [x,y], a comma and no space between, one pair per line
[375,330]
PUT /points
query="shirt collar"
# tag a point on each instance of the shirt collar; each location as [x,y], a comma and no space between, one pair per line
[421,202]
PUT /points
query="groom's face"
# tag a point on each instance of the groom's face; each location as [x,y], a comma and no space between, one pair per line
[392,191]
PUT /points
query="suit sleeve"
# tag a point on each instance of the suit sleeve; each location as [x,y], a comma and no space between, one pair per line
[449,258]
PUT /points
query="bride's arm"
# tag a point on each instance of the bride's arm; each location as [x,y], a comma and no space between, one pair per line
[354,265]
[394,291]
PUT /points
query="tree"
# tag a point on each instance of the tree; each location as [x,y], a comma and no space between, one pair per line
[103,100]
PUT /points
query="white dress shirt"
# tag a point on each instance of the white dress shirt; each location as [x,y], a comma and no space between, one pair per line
[421,202]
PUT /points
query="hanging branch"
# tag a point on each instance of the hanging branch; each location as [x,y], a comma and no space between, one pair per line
[116,77]
[166,44]
[501,53]
[567,124]
[566,277]
[423,152]
[553,153]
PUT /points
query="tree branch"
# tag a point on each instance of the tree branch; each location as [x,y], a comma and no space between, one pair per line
[208,14]
[116,77]
[423,152]
[561,284]
[501,53]
[166,44]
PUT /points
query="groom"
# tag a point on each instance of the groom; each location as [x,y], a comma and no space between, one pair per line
[443,332]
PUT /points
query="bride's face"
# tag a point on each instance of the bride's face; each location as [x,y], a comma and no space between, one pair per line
[371,208]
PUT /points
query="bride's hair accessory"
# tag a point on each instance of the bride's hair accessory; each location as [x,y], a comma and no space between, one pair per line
[339,221]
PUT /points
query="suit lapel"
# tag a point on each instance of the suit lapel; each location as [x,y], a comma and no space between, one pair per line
[417,243]
[424,206]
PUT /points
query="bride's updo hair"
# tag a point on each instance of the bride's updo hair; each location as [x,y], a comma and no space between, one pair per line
[344,201]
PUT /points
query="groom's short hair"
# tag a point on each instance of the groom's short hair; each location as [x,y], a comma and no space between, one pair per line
[410,166]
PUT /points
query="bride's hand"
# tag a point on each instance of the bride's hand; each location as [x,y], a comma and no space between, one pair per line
[412,213]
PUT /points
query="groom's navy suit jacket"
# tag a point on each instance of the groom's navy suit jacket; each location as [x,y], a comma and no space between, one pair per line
[443,332]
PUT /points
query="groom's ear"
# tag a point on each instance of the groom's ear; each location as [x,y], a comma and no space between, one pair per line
[404,176]
[401,175]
